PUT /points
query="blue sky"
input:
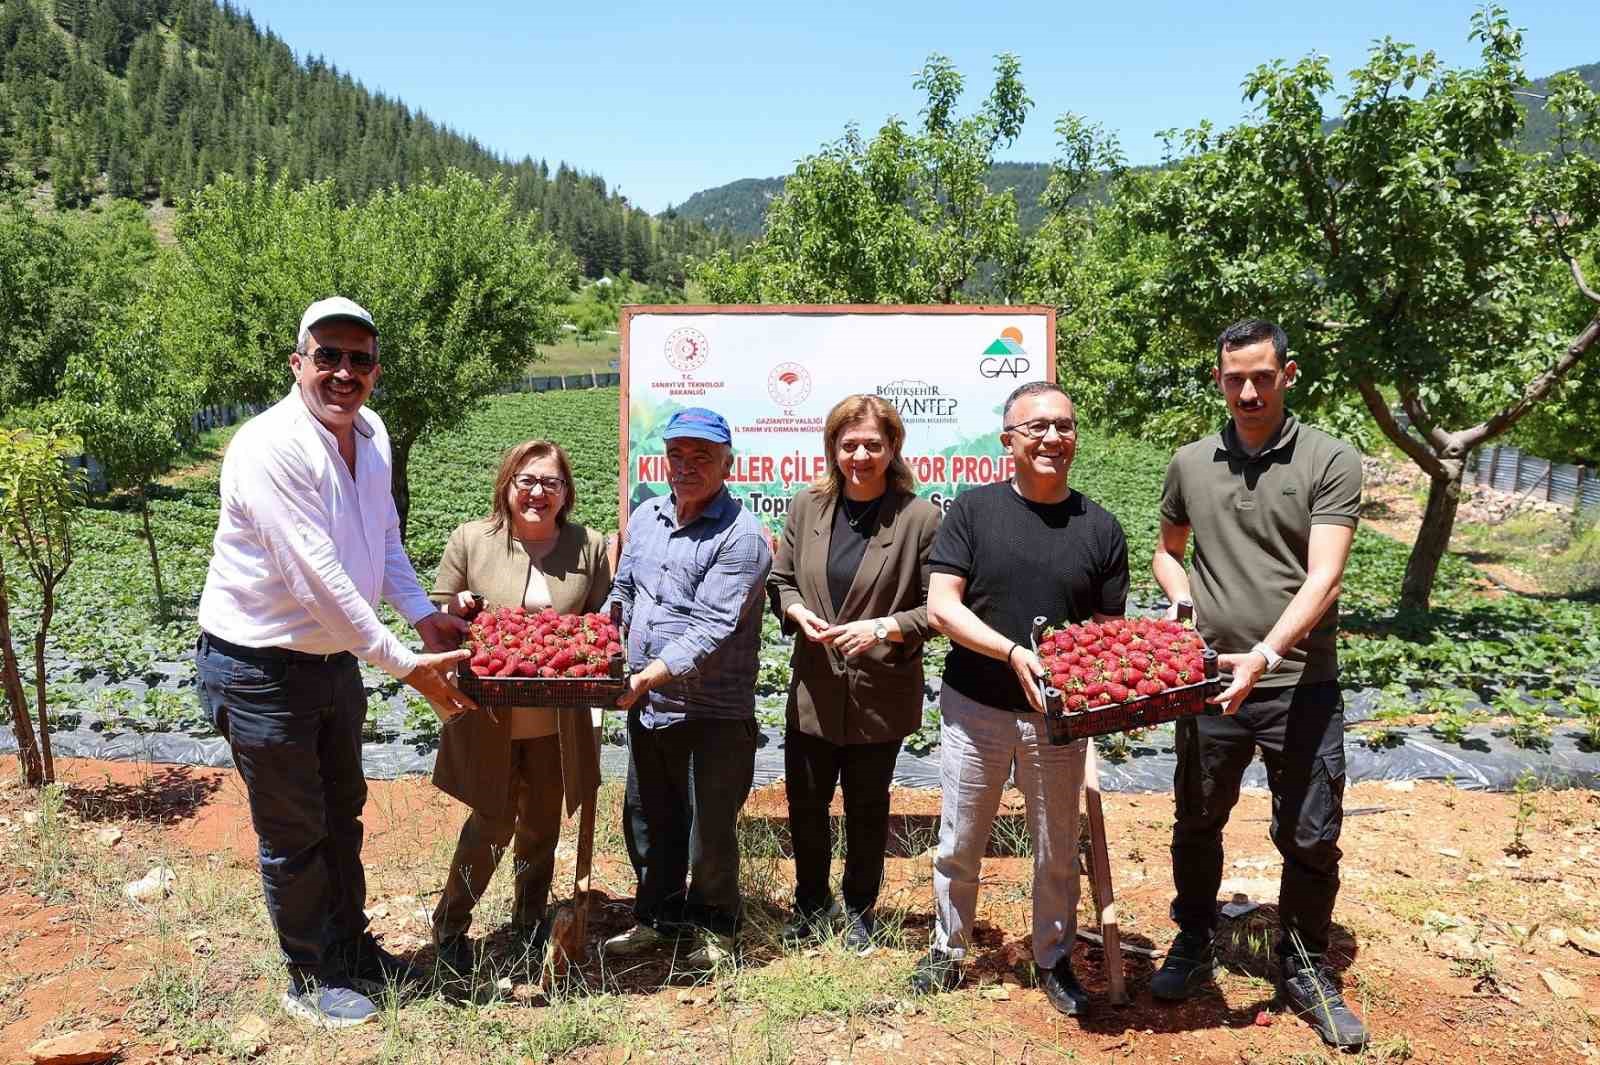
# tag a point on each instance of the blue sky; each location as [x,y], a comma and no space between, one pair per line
[667,100]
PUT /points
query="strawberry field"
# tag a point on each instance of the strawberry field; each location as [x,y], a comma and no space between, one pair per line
[1484,676]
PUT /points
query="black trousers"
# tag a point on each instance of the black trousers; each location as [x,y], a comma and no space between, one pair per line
[686,785]
[813,767]
[1300,732]
[294,726]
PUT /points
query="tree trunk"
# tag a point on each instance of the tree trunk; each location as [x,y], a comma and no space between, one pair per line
[155,561]
[16,696]
[1433,538]
[400,457]
[38,684]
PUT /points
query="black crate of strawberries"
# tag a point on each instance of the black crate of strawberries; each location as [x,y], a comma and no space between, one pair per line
[542,659]
[1122,674]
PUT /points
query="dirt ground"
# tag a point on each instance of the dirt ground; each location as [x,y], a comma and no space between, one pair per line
[1454,936]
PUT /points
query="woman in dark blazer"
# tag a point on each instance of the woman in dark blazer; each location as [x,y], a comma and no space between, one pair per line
[513,770]
[851,578]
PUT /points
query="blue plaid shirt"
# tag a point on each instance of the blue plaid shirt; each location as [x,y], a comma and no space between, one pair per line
[692,596]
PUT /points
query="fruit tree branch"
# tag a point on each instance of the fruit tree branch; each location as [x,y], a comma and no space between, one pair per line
[1537,389]
[1403,440]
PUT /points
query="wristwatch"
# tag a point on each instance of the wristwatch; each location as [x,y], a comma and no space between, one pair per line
[880,631]
[1274,659]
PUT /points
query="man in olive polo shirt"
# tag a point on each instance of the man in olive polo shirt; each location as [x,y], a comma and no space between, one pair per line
[1272,504]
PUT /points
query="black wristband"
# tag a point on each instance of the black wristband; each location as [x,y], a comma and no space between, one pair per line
[1014,646]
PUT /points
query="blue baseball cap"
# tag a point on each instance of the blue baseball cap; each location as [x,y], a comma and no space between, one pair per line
[699,423]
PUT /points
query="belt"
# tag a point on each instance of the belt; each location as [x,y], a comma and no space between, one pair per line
[270,654]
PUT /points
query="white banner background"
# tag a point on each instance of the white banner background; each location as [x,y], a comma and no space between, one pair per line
[774,374]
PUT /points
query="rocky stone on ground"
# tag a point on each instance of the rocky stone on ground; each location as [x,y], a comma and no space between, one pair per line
[156,884]
[75,1048]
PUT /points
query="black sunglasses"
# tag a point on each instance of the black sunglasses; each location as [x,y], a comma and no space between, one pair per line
[329,359]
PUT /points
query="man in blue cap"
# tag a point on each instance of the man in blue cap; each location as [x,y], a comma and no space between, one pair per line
[690,584]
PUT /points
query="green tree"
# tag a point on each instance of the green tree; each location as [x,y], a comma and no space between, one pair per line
[46,311]
[462,287]
[904,218]
[39,500]
[132,407]
[1410,247]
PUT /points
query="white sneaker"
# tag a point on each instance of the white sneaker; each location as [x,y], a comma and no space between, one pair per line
[636,940]
[713,950]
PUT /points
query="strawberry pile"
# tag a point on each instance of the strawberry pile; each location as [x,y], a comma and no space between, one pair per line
[511,642]
[1115,661]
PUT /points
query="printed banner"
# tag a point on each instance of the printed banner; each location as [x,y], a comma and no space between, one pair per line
[774,374]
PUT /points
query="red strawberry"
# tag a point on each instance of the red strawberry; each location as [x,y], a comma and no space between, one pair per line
[1077,701]
[1117,692]
[1139,660]
[1168,676]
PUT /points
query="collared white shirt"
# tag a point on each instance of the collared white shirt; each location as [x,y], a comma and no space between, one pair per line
[303,550]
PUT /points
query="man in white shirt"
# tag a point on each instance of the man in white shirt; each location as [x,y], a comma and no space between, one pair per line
[307,542]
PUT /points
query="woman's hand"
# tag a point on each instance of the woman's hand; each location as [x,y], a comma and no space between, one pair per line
[854,638]
[810,624]
[463,605]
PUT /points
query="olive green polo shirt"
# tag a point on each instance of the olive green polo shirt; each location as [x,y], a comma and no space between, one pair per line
[1251,517]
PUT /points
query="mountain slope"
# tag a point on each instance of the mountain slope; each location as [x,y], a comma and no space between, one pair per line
[151,99]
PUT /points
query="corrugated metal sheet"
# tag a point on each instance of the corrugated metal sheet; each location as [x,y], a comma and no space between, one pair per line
[1589,491]
[1564,484]
[1505,469]
[1532,473]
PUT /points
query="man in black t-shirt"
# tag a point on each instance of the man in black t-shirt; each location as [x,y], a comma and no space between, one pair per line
[1006,554]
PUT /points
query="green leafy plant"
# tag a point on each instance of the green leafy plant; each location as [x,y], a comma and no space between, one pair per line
[1452,716]
[1584,701]
[40,498]
[1527,784]
[1528,726]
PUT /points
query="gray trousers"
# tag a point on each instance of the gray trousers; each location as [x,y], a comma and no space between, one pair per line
[980,745]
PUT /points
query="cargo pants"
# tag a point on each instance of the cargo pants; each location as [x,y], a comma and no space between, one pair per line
[1300,732]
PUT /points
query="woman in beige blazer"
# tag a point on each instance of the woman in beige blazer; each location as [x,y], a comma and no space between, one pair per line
[514,772]
[851,579]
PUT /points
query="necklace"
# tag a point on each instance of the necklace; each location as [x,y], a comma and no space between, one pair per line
[858,514]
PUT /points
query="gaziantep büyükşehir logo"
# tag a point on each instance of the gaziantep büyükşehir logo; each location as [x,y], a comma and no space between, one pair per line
[687,349]
[1005,357]
[789,384]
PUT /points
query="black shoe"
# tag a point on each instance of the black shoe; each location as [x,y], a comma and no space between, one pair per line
[1191,963]
[1061,987]
[857,935]
[1310,992]
[454,959]
[937,971]
[809,926]
[532,942]
[372,969]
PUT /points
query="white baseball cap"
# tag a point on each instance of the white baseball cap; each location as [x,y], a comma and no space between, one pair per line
[334,309]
